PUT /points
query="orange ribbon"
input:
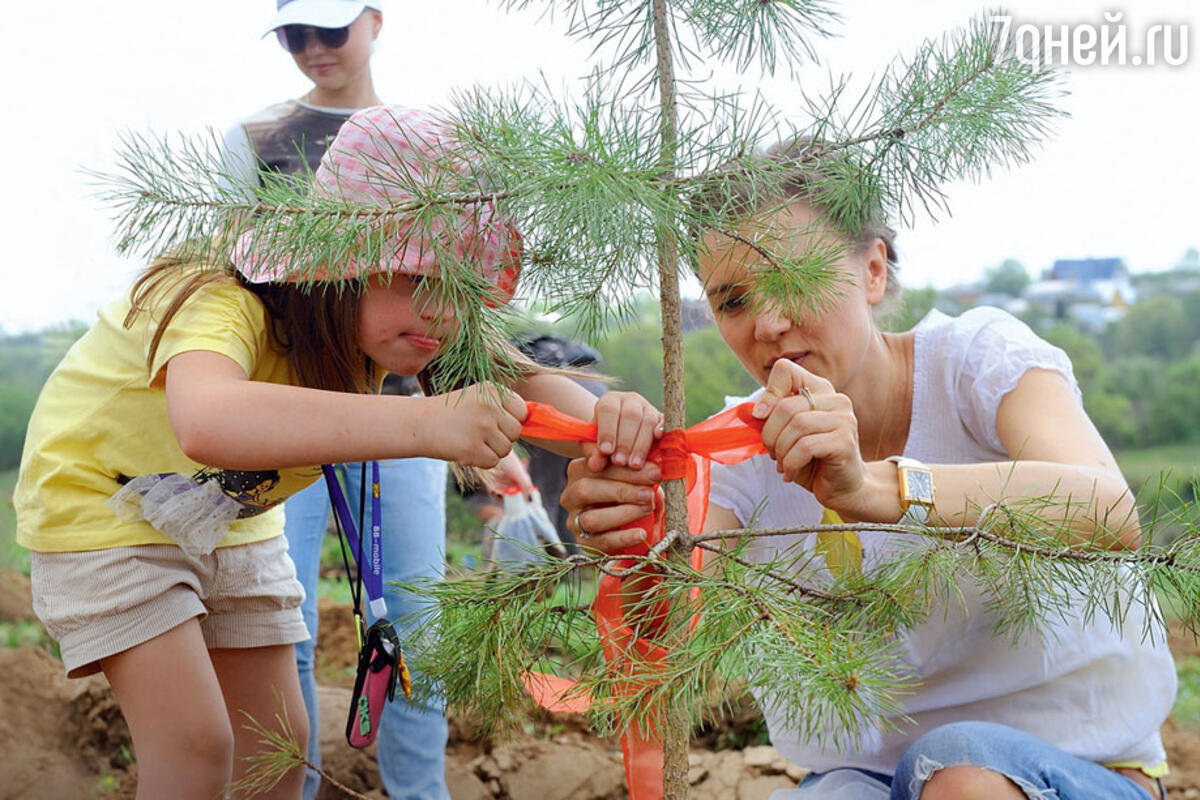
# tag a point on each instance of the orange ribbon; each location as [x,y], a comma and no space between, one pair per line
[728,438]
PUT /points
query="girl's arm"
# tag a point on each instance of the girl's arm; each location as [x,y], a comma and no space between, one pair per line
[223,419]
[627,424]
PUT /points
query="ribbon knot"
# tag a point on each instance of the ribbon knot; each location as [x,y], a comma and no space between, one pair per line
[730,437]
[673,454]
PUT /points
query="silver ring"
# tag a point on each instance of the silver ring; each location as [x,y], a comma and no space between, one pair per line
[808,395]
[584,533]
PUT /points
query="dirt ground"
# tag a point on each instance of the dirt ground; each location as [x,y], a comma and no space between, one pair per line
[62,739]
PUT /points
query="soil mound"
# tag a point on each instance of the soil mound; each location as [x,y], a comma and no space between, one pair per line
[45,753]
[16,599]
[67,739]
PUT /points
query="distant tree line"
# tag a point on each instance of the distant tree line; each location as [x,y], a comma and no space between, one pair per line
[1140,377]
[26,360]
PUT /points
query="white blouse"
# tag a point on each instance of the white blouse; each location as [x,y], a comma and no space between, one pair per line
[1096,690]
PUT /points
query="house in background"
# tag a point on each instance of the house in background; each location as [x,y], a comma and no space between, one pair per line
[1090,291]
[961,296]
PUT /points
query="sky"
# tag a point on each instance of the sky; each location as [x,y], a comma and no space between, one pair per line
[1121,177]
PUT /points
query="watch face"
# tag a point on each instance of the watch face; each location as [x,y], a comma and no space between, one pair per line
[919,485]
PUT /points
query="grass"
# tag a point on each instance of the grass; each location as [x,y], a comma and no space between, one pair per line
[1165,480]
[1172,468]
[12,557]
[1144,464]
[1187,702]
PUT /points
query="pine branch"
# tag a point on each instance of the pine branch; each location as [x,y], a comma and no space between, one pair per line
[744,32]
[815,648]
[282,753]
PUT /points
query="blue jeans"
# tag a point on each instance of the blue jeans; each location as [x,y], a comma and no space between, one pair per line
[411,745]
[1041,770]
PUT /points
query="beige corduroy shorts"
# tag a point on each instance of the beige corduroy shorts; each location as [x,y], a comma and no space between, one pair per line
[98,603]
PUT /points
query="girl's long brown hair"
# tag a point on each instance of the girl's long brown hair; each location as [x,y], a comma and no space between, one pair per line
[315,327]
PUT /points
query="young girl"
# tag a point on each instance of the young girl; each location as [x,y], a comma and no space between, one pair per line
[162,446]
[857,421]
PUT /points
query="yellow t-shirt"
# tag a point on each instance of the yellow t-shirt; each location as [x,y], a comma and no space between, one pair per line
[101,420]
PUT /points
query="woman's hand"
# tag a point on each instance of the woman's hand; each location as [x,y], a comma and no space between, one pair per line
[510,473]
[812,435]
[601,505]
[475,426]
[627,424]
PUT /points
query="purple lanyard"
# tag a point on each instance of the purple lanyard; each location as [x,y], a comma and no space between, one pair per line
[372,577]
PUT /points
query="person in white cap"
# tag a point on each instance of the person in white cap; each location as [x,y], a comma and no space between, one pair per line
[331,42]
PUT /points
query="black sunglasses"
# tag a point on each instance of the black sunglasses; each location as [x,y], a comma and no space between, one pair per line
[294,38]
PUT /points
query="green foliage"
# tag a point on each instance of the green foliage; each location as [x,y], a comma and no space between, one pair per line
[1176,415]
[1139,379]
[1087,358]
[1114,417]
[16,404]
[711,370]
[711,373]
[912,307]
[1009,277]
[25,362]
[1157,326]
[462,526]
[634,356]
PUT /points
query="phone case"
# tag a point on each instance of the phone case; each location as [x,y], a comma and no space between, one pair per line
[380,666]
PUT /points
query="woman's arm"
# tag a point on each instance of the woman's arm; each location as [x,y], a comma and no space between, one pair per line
[1057,455]
[222,418]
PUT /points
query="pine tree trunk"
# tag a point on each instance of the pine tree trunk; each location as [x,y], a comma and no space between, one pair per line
[674,721]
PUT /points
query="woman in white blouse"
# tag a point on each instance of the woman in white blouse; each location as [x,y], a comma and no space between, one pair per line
[857,421]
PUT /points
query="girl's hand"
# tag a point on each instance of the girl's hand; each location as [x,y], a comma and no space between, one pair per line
[475,426]
[627,425]
[600,505]
[812,435]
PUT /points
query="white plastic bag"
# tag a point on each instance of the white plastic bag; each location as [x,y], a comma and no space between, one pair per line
[523,535]
[195,514]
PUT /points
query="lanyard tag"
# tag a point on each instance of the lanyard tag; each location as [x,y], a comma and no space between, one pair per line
[370,569]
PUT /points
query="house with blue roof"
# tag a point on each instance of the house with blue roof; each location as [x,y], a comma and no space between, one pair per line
[1091,291]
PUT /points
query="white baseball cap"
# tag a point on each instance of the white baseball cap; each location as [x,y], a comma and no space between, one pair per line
[319,13]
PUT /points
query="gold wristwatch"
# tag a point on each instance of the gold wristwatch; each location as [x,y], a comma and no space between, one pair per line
[916,490]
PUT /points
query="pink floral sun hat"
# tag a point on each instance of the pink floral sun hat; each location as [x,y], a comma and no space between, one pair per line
[377,157]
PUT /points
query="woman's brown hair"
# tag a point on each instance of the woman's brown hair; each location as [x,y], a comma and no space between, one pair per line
[800,169]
